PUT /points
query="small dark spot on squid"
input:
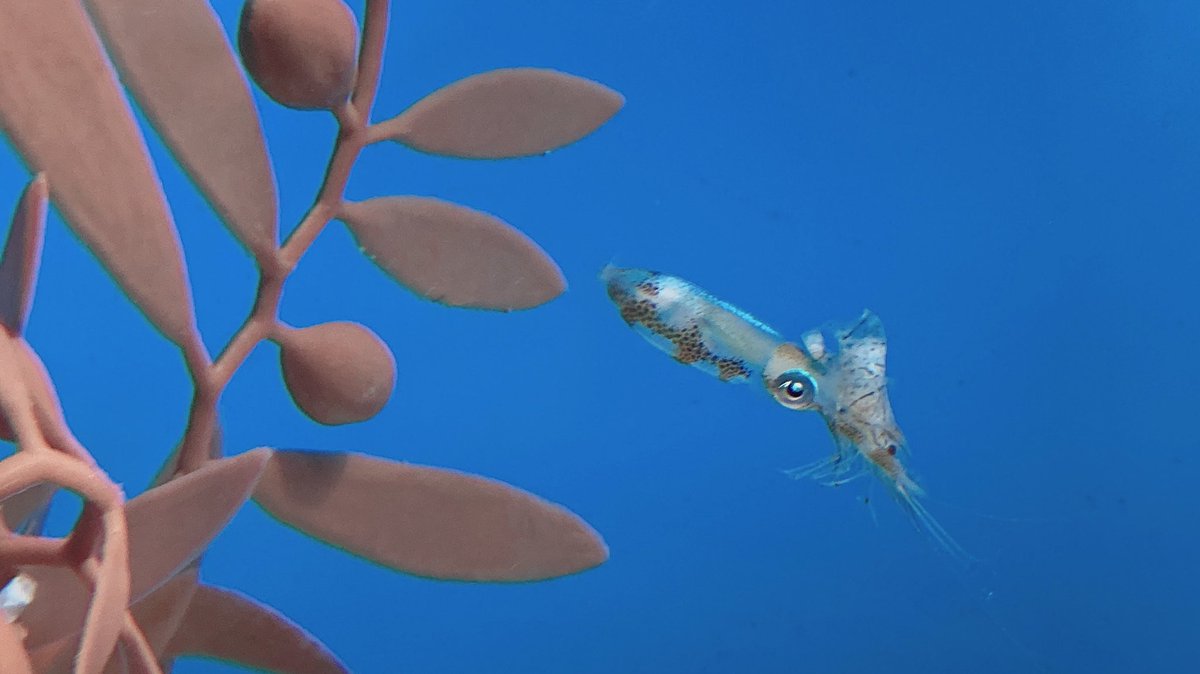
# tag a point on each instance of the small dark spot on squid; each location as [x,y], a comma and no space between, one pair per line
[648,287]
[891,449]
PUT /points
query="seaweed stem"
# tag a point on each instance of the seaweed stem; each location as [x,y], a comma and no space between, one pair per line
[210,379]
[370,56]
[137,647]
[32,550]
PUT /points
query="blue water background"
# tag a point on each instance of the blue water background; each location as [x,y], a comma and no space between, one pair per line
[1010,186]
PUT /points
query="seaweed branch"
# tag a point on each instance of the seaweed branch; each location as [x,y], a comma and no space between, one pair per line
[122,587]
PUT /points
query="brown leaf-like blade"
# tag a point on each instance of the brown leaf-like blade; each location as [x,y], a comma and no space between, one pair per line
[17,509]
[63,111]
[453,254]
[426,521]
[169,526]
[177,62]
[118,662]
[160,613]
[229,626]
[22,252]
[12,653]
[511,112]
[55,657]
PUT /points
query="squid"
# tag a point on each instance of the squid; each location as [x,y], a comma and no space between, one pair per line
[839,373]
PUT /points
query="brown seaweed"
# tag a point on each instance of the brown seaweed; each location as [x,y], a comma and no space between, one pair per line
[120,592]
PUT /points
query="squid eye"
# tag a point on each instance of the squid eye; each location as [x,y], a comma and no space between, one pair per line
[794,389]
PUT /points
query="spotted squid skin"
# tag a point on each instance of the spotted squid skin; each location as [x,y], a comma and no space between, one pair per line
[691,325]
